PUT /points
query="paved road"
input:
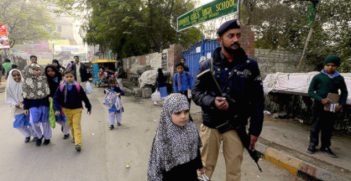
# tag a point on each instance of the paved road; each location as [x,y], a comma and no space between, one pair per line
[105,153]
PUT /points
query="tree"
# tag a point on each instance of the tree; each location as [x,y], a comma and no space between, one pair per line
[335,16]
[134,27]
[284,25]
[26,21]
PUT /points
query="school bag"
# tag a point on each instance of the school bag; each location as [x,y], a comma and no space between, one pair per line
[52,118]
[108,100]
[111,98]
[78,87]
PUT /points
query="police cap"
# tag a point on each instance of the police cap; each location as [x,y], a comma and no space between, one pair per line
[231,24]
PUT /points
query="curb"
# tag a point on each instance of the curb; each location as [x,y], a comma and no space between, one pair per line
[294,165]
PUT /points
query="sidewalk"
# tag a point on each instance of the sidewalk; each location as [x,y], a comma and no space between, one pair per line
[284,143]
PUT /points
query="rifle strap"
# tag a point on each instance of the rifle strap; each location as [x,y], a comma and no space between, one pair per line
[213,76]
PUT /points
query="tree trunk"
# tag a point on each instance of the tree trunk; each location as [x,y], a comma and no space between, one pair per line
[305,48]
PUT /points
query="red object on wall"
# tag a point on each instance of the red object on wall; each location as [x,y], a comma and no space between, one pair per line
[4,39]
[3,30]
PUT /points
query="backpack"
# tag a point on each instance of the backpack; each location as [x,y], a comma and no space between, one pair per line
[108,100]
[78,87]
[111,98]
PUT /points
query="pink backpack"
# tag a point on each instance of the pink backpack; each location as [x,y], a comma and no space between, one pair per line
[62,86]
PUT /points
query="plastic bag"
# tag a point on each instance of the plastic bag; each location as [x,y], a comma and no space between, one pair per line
[203,177]
[189,94]
[156,96]
[52,118]
[109,98]
[88,88]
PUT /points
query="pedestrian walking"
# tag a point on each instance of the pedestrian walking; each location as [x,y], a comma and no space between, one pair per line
[182,82]
[33,60]
[232,95]
[36,103]
[81,72]
[54,78]
[103,75]
[161,83]
[68,98]
[324,86]
[15,99]
[120,74]
[71,67]
[175,153]
[58,66]
[6,67]
[113,101]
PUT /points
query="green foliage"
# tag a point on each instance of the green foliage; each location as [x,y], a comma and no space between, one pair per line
[134,27]
[26,21]
[284,25]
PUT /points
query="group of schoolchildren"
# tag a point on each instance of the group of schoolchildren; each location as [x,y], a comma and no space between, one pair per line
[37,97]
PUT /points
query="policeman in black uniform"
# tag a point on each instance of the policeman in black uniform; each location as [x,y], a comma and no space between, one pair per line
[239,99]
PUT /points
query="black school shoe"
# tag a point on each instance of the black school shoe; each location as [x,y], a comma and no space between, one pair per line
[39,141]
[78,148]
[112,127]
[328,151]
[46,142]
[27,140]
[66,136]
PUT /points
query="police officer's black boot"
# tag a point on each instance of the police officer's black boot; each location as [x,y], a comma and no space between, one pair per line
[311,149]
[328,151]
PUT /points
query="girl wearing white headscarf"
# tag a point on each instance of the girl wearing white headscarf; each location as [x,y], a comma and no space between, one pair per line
[13,96]
[175,153]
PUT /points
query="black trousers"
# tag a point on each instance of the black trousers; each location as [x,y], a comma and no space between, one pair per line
[323,122]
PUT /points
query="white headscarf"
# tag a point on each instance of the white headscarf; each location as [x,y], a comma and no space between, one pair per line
[13,92]
[172,145]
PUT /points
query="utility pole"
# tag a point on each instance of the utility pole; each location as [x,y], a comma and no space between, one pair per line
[312,17]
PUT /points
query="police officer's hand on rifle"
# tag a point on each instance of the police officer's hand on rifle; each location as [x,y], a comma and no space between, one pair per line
[253,140]
[221,103]
[325,101]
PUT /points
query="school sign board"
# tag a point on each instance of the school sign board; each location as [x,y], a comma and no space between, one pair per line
[206,12]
